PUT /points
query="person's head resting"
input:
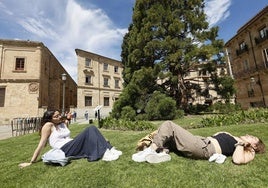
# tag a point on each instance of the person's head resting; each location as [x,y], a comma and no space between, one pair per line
[260,147]
[52,116]
[256,143]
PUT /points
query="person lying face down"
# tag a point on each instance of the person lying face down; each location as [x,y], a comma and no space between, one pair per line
[173,137]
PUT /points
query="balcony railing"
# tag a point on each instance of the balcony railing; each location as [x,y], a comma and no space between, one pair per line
[244,73]
[251,70]
[260,39]
[242,50]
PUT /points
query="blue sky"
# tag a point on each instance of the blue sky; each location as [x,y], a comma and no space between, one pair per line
[98,26]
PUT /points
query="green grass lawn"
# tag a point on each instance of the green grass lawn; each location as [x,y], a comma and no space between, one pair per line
[179,172]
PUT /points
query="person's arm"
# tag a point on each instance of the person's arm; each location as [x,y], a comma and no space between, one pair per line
[45,133]
[243,153]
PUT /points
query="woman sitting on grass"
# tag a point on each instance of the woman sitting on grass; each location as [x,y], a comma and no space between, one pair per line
[89,144]
[170,136]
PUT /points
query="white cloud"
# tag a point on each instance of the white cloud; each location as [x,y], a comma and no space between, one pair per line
[38,27]
[87,29]
[217,10]
[64,26]
[4,9]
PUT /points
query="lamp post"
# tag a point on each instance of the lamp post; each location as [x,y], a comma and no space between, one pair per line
[63,77]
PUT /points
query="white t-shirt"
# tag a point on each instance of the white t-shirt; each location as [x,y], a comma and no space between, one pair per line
[59,136]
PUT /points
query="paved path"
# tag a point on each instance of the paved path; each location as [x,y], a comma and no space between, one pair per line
[6,131]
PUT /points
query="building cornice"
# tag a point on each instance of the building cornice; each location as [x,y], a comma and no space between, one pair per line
[84,53]
[249,23]
[21,43]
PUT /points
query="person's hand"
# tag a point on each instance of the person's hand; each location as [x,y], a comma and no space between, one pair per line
[22,165]
[244,144]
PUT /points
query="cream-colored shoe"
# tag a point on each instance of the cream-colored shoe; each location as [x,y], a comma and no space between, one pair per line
[158,157]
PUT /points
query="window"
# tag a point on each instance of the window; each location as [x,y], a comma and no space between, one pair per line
[20,64]
[88,79]
[251,92]
[222,71]
[88,101]
[116,69]
[2,96]
[203,73]
[116,83]
[106,82]
[265,57]
[106,101]
[242,45]
[246,65]
[263,33]
[88,62]
[105,66]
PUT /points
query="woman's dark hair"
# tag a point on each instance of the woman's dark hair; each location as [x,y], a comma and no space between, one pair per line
[260,147]
[47,117]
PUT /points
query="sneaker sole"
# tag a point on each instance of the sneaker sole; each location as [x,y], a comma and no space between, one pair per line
[152,158]
[110,158]
[139,160]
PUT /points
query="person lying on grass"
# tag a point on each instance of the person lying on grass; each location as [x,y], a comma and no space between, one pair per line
[89,144]
[172,137]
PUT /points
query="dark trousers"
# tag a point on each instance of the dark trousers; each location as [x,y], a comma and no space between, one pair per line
[88,144]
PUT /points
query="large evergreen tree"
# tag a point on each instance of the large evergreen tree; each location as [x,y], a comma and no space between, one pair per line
[166,39]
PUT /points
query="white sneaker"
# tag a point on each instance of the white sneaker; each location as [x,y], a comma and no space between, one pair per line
[213,157]
[158,157]
[109,156]
[115,151]
[218,158]
[140,156]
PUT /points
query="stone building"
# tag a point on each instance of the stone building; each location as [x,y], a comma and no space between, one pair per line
[199,77]
[248,56]
[99,83]
[30,81]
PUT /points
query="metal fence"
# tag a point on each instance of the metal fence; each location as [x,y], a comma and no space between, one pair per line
[22,126]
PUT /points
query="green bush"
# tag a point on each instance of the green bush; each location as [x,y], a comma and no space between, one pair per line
[196,109]
[224,108]
[161,107]
[141,117]
[254,115]
[180,114]
[128,113]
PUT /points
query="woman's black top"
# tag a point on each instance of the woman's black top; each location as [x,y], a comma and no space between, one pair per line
[227,143]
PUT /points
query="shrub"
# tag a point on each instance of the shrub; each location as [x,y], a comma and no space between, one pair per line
[128,113]
[179,114]
[224,108]
[196,109]
[167,108]
[160,107]
[255,115]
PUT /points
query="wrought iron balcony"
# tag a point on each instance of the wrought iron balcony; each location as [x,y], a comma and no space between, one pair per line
[242,50]
[260,39]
